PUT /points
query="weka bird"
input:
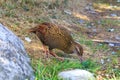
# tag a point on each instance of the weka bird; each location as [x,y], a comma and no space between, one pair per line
[55,36]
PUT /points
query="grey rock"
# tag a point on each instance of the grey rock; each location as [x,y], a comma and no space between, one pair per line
[14,61]
[77,74]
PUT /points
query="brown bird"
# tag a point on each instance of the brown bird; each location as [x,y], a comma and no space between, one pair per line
[55,36]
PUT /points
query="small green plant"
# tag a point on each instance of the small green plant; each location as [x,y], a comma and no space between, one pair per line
[9,5]
[109,22]
[90,65]
[30,2]
[65,2]
[42,19]
[9,13]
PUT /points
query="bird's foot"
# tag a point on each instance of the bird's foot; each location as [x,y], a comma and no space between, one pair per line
[60,58]
[57,57]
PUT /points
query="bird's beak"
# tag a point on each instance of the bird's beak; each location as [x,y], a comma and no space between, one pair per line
[79,53]
[81,58]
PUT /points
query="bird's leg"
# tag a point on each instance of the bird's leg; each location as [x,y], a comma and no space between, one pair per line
[53,54]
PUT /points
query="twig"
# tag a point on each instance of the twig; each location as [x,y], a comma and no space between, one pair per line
[114,43]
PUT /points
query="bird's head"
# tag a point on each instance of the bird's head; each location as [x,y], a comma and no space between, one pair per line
[78,49]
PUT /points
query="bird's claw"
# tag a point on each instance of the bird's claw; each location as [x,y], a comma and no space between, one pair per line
[60,58]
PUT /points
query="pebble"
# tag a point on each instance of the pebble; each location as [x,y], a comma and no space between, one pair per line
[113,53]
[113,15]
[112,45]
[111,30]
[102,61]
[28,39]
[67,12]
[81,21]
[117,37]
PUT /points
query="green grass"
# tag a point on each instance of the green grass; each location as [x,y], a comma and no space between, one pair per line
[50,69]
[113,79]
